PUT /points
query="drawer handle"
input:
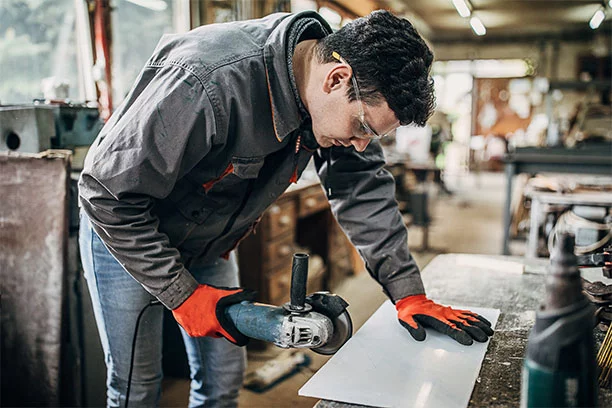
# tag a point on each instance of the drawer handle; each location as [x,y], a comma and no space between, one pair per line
[284,250]
[284,220]
[310,202]
[275,209]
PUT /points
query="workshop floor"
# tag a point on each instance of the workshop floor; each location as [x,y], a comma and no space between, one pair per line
[469,221]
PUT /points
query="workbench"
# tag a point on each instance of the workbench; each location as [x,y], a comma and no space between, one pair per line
[449,281]
[593,159]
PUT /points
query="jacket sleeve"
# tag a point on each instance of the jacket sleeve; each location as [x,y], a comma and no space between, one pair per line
[362,197]
[165,127]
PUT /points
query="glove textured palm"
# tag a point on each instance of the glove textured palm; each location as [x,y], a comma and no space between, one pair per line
[417,312]
[203,313]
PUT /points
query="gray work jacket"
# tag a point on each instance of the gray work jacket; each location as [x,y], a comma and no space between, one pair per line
[205,141]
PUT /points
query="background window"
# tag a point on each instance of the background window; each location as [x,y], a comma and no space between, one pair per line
[137,28]
[38,50]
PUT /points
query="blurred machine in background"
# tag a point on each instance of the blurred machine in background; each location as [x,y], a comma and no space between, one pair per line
[49,336]
[40,126]
[552,203]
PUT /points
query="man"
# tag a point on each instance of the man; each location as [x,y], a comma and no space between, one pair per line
[219,123]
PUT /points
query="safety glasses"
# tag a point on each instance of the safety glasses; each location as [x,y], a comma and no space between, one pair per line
[361,129]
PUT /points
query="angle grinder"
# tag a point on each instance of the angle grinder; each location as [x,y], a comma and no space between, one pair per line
[319,322]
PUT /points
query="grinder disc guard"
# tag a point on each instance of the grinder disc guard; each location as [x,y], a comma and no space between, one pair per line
[334,307]
[343,330]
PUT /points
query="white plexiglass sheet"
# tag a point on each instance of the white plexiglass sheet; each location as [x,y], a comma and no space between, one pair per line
[383,366]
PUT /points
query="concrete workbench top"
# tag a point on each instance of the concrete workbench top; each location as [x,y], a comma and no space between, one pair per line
[489,282]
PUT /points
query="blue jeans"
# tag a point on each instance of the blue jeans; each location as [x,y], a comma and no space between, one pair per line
[216,365]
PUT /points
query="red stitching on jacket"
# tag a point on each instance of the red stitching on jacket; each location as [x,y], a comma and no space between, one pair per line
[209,184]
[294,176]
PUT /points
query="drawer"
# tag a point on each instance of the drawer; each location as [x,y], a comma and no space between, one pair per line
[281,217]
[312,202]
[278,252]
[279,286]
[315,284]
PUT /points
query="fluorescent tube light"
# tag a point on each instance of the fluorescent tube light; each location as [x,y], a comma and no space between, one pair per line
[477,26]
[462,8]
[597,18]
[155,5]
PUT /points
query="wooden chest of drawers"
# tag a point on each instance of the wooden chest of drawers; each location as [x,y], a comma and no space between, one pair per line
[299,221]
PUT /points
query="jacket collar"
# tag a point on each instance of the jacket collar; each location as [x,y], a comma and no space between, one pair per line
[285,112]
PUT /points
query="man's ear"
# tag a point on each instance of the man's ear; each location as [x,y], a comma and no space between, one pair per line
[337,78]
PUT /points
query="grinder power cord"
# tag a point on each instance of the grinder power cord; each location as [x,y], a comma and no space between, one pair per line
[129,379]
[319,322]
[417,312]
[201,314]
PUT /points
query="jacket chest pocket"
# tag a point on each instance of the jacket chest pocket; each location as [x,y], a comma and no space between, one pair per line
[183,214]
[247,167]
[241,168]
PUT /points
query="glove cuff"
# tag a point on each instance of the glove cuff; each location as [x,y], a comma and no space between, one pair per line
[225,322]
[410,300]
[203,313]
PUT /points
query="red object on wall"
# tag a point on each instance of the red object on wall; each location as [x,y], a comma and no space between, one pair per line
[102,42]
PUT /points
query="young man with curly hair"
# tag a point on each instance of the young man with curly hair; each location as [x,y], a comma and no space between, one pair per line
[219,123]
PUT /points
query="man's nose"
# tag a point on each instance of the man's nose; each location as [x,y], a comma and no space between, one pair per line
[360,144]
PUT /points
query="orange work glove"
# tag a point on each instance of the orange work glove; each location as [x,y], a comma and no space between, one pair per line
[203,313]
[416,312]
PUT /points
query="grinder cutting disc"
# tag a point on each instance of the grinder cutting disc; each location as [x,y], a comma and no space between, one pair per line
[343,330]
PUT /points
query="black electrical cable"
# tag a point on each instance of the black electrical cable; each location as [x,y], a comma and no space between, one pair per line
[129,380]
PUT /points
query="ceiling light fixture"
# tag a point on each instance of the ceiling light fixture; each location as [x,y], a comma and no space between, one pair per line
[155,5]
[597,19]
[463,7]
[477,26]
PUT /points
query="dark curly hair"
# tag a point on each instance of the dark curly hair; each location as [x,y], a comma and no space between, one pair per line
[389,59]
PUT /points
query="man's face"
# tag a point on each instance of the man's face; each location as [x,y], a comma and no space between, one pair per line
[336,120]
